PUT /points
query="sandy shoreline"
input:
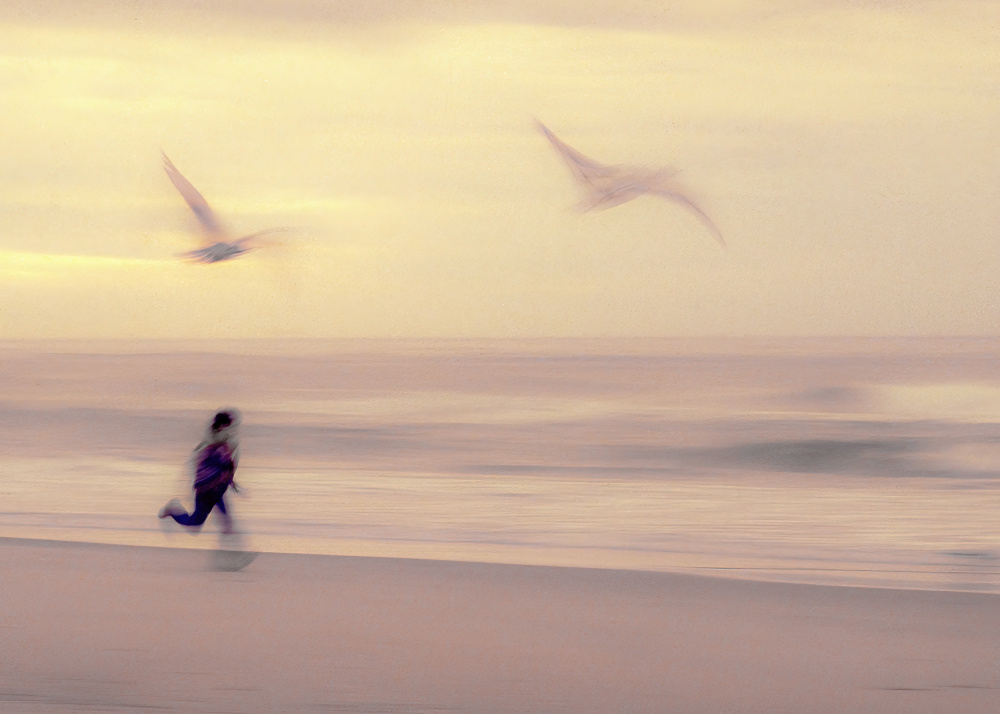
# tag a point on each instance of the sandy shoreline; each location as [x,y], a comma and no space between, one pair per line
[98,628]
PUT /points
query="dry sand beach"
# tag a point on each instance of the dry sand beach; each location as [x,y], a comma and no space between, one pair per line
[98,628]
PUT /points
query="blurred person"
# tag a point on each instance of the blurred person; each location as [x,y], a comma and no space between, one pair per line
[213,465]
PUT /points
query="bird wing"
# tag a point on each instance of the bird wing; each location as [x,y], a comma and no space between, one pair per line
[216,253]
[194,199]
[584,170]
[202,255]
[683,200]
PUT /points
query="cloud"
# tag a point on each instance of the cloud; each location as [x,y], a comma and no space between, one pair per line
[48,266]
[194,16]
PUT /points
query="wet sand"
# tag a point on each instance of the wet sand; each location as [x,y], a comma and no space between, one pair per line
[97,628]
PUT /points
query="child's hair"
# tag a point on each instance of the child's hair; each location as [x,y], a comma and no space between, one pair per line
[221,421]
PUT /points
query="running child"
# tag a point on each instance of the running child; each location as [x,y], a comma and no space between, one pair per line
[214,464]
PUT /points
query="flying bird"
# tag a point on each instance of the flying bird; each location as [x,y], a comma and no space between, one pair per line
[222,247]
[609,186]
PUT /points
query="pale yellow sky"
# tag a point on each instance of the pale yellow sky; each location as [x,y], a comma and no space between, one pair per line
[846,150]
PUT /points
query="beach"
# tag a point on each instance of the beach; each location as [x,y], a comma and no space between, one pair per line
[105,628]
[497,527]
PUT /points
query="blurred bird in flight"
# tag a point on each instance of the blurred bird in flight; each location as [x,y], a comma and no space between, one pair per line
[609,186]
[222,247]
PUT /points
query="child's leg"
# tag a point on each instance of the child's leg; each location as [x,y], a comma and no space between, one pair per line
[227,521]
[203,504]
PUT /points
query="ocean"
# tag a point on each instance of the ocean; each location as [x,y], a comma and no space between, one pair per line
[850,461]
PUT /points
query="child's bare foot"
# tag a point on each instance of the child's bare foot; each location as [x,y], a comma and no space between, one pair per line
[173,506]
